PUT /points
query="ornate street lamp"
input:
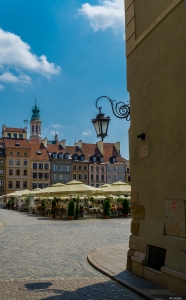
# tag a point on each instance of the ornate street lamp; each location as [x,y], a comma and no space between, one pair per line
[119,109]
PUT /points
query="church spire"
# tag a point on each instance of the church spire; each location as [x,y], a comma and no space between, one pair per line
[35,124]
[35,112]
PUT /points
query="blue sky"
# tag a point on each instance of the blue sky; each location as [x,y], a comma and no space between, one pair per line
[66,54]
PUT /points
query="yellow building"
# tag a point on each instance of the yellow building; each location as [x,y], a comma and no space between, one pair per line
[18,159]
[15,133]
[156,81]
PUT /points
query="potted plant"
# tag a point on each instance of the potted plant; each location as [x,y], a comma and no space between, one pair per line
[53,210]
[77,210]
[106,209]
[125,204]
[12,204]
[71,209]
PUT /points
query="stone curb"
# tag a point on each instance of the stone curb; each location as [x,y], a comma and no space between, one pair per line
[113,276]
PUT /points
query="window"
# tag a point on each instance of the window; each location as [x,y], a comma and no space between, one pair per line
[110,177]
[66,177]
[1,171]
[94,158]
[100,159]
[17,172]
[128,178]
[54,155]
[25,184]
[102,177]
[11,153]
[15,135]
[1,162]
[46,166]
[60,168]
[79,167]
[82,157]
[34,166]
[40,175]
[25,172]
[60,155]
[9,135]
[46,175]
[40,185]
[156,258]
[34,186]
[38,152]
[128,170]
[120,177]
[115,176]
[120,168]
[102,169]
[20,135]
[40,166]
[10,172]
[74,176]
[97,177]
[17,184]
[54,177]
[97,169]
[10,184]
[32,128]
[92,168]
[25,162]
[85,168]
[79,176]
[45,185]
[1,183]
[115,168]
[17,144]
[66,155]
[60,176]
[97,185]
[67,168]
[54,168]
[85,176]
[34,175]
[17,161]
[92,184]
[25,153]
[75,157]
[10,161]
[92,176]
[18,153]
[74,167]
[36,128]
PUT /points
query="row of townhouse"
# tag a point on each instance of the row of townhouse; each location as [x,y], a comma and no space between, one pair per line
[25,164]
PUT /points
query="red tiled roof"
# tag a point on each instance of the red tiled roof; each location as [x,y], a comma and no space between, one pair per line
[14,129]
[11,143]
[109,150]
[41,149]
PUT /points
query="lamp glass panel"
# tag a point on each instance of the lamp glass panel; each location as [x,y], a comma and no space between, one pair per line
[104,127]
[96,126]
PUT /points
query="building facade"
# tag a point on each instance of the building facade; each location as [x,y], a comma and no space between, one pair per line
[156,63]
[14,133]
[2,168]
[18,159]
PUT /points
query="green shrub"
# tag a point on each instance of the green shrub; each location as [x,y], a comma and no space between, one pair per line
[106,208]
[12,203]
[77,210]
[8,204]
[120,199]
[71,208]
[125,204]
[43,203]
[53,206]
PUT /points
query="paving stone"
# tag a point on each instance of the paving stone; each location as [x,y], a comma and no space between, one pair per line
[43,258]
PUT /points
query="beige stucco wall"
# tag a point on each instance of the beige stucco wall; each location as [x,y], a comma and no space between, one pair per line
[156,80]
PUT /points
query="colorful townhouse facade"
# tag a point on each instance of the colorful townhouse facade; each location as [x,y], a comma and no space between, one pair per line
[2,168]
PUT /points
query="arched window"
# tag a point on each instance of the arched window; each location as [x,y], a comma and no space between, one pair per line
[32,128]
[36,128]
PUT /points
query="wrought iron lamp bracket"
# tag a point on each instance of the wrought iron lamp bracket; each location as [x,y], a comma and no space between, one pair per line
[119,109]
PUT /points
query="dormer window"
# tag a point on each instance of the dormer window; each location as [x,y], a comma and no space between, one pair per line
[54,155]
[75,157]
[112,159]
[38,152]
[82,157]
[60,155]
[100,159]
[66,155]
[17,144]
[94,158]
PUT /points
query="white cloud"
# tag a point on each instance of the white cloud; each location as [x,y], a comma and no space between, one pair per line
[53,125]
[109,14]
[8,77]
[16,55]
[1,87]
[87,132]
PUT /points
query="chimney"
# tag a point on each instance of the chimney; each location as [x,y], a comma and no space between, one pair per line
[56,138]
[100,146]
[117,146]
[44,141]
[79,144]
[62,143]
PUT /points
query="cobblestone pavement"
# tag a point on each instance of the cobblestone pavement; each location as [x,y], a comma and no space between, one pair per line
[44,258]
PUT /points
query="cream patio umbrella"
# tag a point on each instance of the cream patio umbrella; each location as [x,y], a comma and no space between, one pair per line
[104,185]
[117,188]
[51,189]
[18,193]
[74,188]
